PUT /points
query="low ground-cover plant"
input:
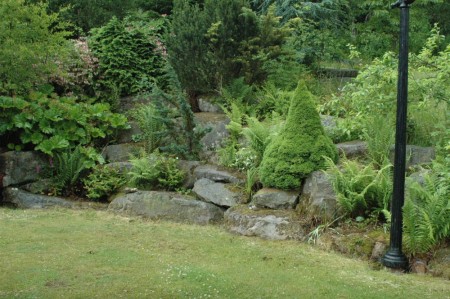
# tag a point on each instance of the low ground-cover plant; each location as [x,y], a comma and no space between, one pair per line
[379,135]
[364,188]
[49,123]
[236,114]
[272,99]
[249,138]
[103,182]
[155,171]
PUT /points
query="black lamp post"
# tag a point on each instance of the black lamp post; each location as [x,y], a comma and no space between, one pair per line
[395,258]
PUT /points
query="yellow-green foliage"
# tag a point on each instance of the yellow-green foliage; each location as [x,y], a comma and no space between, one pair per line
[300,147]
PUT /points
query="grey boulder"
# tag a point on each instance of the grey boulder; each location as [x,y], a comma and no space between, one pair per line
[167,206]
[217,193]
[212,173]
[121,152]
[318,196]
[21,167]
[26,200]
[352,149]
[267,224]
[275,199]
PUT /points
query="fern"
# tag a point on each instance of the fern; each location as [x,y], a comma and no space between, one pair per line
[258,136]
[155,171]
[360,189]
[236,115]
[69,166]
[143,173]
[426,215]
[252,178]
[151,123]
[379,135]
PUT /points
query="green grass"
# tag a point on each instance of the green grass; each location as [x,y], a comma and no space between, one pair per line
[87,254]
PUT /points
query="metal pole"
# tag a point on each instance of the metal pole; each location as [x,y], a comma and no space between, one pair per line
[395,258]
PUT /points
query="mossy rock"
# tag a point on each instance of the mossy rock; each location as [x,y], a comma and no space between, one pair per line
[300,147]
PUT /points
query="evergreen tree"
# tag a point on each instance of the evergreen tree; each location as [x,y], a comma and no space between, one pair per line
[300,147]
[188,48]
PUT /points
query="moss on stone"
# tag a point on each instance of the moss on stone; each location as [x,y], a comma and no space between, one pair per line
[300,147]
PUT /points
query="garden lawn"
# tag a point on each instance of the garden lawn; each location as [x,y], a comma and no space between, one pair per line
[86,254]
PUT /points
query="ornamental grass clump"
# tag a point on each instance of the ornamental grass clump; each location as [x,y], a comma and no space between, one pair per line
[300,147]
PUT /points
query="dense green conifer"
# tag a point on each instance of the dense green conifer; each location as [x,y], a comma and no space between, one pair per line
[300,147]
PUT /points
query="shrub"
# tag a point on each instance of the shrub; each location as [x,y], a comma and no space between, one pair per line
[130,53]
[34,46]
[373,92]
[155,171]
[103,181]
[300,147]
[88,14]
[82,70]
[182,134]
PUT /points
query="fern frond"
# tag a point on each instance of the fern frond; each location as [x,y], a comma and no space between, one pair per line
[430,221]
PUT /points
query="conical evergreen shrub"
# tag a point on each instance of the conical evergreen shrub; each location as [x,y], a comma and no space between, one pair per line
[300,147]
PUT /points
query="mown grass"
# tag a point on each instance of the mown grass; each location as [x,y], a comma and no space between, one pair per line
[94,254]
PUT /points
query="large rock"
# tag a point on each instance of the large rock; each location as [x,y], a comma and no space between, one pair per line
[329,123]
[167,206]
[275,199]
[416,155]
[418,177]
[188,168]
[267,224]
[352,149]
[216,123]
[21,167]
[121,152]
[217,193]
[26,200]
[318,196]
[206,105]
[212,173]
[126,135]
[39,187]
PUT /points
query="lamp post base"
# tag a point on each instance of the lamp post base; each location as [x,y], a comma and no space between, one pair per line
[395,259]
